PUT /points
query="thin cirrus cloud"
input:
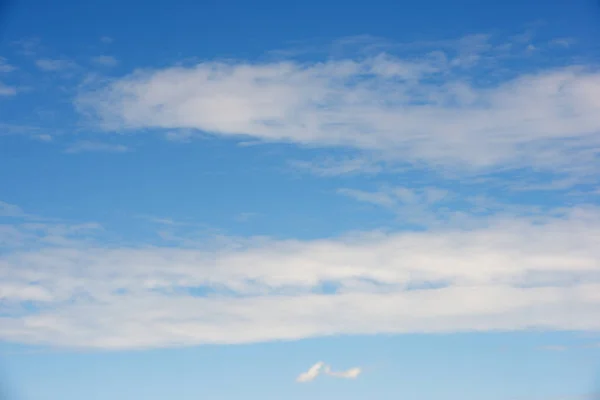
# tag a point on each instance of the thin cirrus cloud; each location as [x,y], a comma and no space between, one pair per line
[107,61]
[321,368]
[428,109]
[48,64]
[351,373]
[92,146]
[61,286]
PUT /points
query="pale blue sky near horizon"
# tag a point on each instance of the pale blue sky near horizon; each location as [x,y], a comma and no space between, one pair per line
[204,199]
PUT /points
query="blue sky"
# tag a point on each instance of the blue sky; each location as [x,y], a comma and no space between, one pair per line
[313,200]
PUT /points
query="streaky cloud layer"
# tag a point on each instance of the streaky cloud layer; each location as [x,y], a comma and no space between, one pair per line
[506,273]
[423,110]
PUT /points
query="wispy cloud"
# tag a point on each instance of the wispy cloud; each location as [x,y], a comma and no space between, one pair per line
[562,42]
[351,373]
[341,166]
[162,220]
[429,109]
[431,206]
[378,198]
[321,368]
[48,64]
[21,230]
[505,274]
[91,146]
[107,61]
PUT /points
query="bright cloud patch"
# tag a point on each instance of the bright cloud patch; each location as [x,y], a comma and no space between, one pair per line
[312,373]
[320,368]
[504,274]
[428,109]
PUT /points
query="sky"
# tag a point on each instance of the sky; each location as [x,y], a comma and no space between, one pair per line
[321,199]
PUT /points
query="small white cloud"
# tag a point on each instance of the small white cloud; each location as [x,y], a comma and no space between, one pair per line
[396,196]
[24,292]
[84,146]
[106,39]
[321,367]
[378,198]
[351,373]
[311,374]
[162,220]
[47,64]
[107,61]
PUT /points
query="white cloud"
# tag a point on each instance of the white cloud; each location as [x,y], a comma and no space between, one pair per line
[502,274]
[87,146]
[107,61]
[352,373]
[435,207]
[429,206]
[342,166]
[423,110]
[47,64]
[321,367]
[378,198]
[393,196]
[312,373]
[30,231]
